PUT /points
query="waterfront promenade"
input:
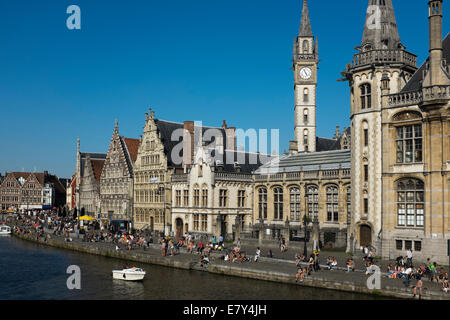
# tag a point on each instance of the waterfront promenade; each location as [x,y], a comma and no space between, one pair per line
[281,268]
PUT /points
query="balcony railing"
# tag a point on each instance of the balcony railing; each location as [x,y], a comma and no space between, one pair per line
[405,99]
[225,176]
[436,93]
[179,178]
[383,56]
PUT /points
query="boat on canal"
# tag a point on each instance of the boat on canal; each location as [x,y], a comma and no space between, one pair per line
[130,274]
[5,230]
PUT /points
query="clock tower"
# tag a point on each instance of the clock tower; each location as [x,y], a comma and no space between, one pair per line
[305,62]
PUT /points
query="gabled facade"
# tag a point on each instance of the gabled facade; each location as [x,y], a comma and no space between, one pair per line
[90,187]
[116,180]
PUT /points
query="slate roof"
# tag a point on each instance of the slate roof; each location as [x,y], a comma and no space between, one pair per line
[241,162]
[326,144]
[327,160]
[93,156]
[415,83]
[166,128]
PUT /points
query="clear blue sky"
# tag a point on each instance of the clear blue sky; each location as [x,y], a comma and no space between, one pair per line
[203,60]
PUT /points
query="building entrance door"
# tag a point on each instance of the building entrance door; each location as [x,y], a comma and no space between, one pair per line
[179,227]
[365,235]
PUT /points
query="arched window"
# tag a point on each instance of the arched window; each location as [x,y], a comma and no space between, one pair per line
[366,96]
[313,201]
[410,203]
[278,203]
[305,138]
[262,203]
[305,46]
[305,116]
[305,95]
[294,194]
[332,203]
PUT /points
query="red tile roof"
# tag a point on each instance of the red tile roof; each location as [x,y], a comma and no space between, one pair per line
[97,167]
[132,146]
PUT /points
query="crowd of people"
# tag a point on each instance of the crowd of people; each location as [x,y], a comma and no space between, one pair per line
[47,224]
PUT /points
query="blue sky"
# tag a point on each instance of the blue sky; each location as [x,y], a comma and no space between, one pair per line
[205,60]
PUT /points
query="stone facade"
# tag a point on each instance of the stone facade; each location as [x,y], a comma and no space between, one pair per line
[315,185]
[116,181]
[214,198]
[90,187]
[400,129]
[21,191]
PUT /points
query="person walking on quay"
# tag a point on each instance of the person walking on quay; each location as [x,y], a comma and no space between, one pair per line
[419,285]
[163,247]
[238,243]
[220,241]
[270,254]
[258,254]
[316,261]
[409,257]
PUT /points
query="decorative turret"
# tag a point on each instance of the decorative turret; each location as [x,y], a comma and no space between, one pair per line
[381,44]
[304,45]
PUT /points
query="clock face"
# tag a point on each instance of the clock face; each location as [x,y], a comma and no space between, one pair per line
[305,73]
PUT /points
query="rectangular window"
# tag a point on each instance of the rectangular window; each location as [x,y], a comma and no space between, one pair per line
[366,137]
[204,222]
[417,245]
[196,222]
[366,206]
[223,198]
[366,173]
[241,198]
[186,198]
[178,198]
[399,244]
[409,144]
[408,244]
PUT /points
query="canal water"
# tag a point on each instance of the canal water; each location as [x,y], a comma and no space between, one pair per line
[32,271]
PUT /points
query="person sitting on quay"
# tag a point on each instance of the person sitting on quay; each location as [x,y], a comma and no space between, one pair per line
[350,265]
[301,273]
[204,261]
[445,285]
[371,268]
[200,247]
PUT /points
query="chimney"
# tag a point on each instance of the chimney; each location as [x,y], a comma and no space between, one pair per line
[435,75]
[293,147]
[337,134]
[231,138]
[188,143]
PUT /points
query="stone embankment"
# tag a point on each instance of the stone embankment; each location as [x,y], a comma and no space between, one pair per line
[275,270]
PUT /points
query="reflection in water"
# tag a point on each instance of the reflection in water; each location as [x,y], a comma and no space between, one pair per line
[122,290]
[39,272]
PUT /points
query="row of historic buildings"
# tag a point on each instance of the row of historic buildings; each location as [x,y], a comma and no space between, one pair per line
[22,191]
[384,181]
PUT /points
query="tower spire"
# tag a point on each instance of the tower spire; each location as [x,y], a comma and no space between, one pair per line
[380,29]
[305,27]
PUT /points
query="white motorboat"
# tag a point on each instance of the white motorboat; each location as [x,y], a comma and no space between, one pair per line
[5,230]
[131,274]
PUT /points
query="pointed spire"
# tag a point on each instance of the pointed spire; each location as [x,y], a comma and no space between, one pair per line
[116,127]
[305,27]
[380,29]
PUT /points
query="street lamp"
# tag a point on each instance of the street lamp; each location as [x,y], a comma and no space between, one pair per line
[305,221]
[162,190]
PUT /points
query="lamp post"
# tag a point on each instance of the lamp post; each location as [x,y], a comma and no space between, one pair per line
[305,250]
[163,190]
